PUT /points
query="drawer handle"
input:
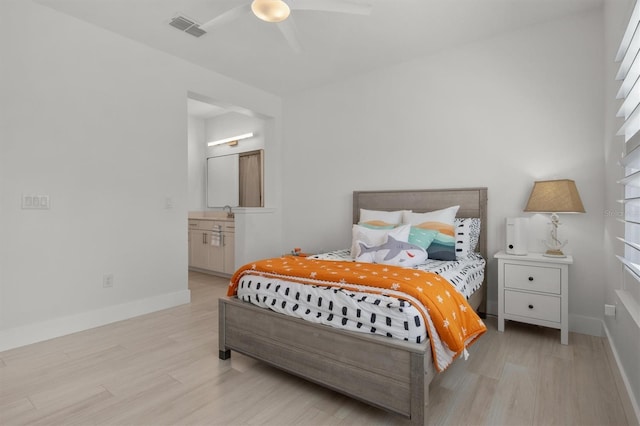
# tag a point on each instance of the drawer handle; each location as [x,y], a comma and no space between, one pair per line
[530,306]
[530,278]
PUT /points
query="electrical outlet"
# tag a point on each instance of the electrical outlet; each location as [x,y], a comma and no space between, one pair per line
[610,310]
[107,281]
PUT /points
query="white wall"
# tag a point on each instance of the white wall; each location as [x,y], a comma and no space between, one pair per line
[499,113]
[98,123]
[197,148]
[622,331]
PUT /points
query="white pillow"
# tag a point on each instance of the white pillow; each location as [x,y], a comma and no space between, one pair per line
[392,252]
[375,237]
[447,215]
[381,218]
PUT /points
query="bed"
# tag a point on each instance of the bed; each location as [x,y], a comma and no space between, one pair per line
[387,373]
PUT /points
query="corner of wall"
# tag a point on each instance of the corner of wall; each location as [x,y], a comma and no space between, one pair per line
[586,325]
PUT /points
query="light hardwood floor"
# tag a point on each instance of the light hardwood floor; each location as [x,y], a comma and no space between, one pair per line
[163,369]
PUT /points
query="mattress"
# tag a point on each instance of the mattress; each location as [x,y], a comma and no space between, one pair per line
[380,314]
[355,311]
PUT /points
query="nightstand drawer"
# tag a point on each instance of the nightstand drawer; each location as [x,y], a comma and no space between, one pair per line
[533,278]
[530,305]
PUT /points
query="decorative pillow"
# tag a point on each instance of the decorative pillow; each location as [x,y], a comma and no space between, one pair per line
[376,237]
[393,252]
[370,226]
[422,237]
[381,218]
[467,232]
[443,246]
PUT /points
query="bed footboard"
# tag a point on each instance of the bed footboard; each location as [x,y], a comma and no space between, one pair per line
[388,374]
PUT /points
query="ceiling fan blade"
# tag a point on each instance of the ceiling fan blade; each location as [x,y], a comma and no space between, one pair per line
[288,30]
[227,16]
[340,6]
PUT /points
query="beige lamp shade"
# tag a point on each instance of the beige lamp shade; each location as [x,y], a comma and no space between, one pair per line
[555,196]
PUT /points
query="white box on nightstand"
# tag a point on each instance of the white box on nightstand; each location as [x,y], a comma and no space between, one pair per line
[534,289]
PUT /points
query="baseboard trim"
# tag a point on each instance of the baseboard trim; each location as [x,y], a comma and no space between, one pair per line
[586,325]
[492,307]
[38,332]
[209,272]
[630,403]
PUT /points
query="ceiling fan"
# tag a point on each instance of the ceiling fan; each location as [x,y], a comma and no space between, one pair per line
[277,12]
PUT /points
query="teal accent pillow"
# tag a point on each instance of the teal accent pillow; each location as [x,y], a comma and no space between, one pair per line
[422,237]
[370,226]
[443,246]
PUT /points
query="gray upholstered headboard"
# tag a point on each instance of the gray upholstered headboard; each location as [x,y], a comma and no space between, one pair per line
[472,202]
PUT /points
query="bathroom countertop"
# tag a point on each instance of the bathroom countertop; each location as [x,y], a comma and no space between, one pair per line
[217,218]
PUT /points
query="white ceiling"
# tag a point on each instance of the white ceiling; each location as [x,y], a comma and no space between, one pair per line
[205,110]
[335,46]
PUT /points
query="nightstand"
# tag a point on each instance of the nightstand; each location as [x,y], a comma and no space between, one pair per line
[534,289]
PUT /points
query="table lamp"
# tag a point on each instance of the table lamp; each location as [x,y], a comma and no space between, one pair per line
[554,196]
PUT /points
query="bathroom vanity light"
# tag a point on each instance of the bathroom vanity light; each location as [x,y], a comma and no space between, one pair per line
[231,139]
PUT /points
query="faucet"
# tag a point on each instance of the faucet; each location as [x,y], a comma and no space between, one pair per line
[229,213]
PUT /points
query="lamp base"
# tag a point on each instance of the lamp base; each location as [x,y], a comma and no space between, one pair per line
[554,253]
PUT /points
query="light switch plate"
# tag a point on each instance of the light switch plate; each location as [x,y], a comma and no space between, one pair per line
[27,201]
[39,202]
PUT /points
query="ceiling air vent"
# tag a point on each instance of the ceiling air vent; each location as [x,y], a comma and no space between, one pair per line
[187,25]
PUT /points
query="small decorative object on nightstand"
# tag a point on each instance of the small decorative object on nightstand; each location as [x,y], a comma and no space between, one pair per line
[534,289]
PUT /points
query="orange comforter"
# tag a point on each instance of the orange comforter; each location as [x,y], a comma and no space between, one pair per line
[453,325]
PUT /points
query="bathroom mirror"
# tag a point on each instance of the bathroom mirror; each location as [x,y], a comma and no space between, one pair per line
[223,182]
[235,180]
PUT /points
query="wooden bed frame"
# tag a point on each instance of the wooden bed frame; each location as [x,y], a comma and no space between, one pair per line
[389,374]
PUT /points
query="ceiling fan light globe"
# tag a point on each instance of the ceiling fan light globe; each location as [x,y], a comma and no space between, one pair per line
[270,10]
